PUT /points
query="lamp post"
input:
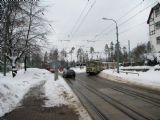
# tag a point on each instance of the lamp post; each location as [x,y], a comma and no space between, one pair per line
[117,46]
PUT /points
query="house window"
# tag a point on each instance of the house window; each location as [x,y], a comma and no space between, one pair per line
[158,40]
[157,11]
[157,25]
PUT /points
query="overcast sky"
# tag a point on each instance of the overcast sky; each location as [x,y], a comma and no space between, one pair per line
[65,13]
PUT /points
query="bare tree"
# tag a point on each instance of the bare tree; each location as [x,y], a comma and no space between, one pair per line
[91,52]
[80,55]
[124,54]
[23,29]
[138,53]
[111,51]
[107,52]
[71,52]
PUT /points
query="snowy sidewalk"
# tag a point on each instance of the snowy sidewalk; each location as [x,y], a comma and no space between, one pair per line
[17,95]
[32,108]
[149,79]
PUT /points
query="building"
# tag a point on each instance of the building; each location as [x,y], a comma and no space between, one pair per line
[154,28]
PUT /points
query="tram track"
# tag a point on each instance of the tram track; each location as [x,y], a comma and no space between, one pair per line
[93,107]
[145,98]
[130,112]
[151,98]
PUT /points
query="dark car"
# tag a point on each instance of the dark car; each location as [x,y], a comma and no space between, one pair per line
[68,73]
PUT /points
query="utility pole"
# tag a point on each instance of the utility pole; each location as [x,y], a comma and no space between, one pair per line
[117,48]
[129,52]
[56,65]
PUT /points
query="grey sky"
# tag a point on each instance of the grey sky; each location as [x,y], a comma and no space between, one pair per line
[64,14]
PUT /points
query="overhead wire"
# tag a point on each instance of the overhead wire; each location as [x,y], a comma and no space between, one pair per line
[120,33]
[82,21]
[137,13]
[51,28]
[85,7]
[128,29]
[131,18]
[131,10]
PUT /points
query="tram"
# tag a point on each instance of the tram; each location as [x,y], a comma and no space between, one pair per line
[96,66]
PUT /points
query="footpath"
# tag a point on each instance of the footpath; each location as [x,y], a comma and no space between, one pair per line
[35,95]
[32,108]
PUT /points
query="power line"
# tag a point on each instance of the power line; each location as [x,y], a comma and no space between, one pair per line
[132,9]
[82,21]
[85,7]
[131,28]
[128,29]
[51,27]
[131,17]
[137,13]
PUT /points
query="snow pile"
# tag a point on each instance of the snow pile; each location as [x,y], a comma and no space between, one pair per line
[59,93]
[12,90]
[153,56]
[79,70]
[53,91]
[150,78]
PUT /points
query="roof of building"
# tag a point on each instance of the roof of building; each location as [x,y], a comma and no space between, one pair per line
[155,7]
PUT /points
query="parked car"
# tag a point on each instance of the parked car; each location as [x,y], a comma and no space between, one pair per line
[69,73]
[52,70]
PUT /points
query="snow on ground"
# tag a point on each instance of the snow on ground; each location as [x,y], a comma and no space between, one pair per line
[12,91]
[79,70]
[136,67]
[59,93]
[150,78]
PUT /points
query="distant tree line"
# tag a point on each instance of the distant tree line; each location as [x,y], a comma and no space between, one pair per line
[139,55]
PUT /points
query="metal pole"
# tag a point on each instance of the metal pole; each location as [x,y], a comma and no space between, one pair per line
[56,67]
[117,48]
[117,55]
[129,52]
[56,71]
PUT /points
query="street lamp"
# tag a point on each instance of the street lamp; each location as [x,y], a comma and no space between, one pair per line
[117,46]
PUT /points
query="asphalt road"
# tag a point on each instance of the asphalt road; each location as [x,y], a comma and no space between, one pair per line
[109,100]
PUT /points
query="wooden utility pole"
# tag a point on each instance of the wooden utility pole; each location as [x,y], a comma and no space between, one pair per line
[129,52]
[56,66]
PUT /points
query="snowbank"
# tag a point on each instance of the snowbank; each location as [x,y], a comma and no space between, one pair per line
[59,93]
[79,70]
[149,79]
[12,90]
[136,67]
